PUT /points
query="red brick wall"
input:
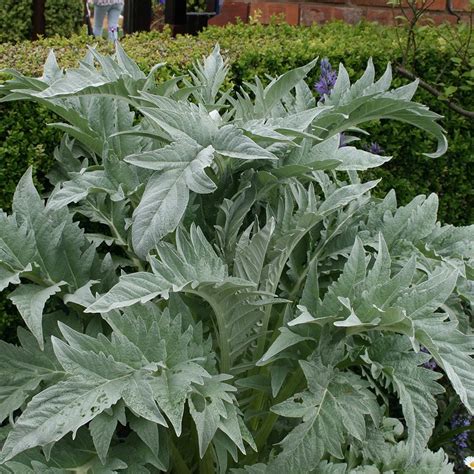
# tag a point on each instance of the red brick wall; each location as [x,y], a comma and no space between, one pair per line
[296,12]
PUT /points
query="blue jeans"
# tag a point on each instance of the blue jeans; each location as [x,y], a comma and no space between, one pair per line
[113,15]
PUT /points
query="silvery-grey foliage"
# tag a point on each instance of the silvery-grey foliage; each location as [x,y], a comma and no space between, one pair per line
[210,286]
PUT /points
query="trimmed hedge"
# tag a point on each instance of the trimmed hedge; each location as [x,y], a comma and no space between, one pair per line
[258,49]
[16,22]
[62,17]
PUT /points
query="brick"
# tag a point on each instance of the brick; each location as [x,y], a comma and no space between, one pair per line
[328,1]
[436,17]
[384,16]
[290,11]
[439,5]
[351,14]
[461,5]
[274,2]
[350,11]
[315,13]
[371,3]
[230,12]
[309,14]
[397,13]
[439,18]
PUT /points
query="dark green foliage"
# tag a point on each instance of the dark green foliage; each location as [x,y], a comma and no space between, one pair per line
[24,141]
[63,17]
[9,319]
[450,177]
[15,24]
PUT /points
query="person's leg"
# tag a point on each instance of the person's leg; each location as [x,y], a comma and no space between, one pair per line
[113,20]
[99,15]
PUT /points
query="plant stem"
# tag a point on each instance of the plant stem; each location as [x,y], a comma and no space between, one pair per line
[304,273]
[267,426]
[260,400]
[289,389]
[224,347]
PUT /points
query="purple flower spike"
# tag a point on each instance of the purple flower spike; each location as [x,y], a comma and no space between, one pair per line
[327,78]
[342,140]
[374,148]
[431,364]
[458,421]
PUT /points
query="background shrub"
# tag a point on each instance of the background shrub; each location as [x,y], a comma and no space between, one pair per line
[15,24]
[63,17]
[25,140]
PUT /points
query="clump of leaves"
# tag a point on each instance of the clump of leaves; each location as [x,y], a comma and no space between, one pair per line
[211,288]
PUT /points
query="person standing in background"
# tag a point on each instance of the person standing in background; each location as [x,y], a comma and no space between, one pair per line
[110,8]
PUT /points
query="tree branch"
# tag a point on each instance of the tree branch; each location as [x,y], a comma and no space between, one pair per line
[449,7]
[433,91]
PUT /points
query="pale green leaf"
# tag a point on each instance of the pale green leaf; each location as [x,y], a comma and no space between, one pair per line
[285,339]
[138,396]
[30,300]
[23,369]
[102,429]
[209,75]
[278,88]
[416,387]
[231,142]
[353,159]
[334,406]
[149,433]
[250,254]
[453,351]
[8,276]
[17,249]
[59,409]
[160,210]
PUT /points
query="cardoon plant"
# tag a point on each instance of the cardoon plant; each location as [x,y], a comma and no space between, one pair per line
[210,287]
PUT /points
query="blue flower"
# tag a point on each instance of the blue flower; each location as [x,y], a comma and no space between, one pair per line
[458,421]
[374,148]
[431,364]
[327,78]
[342,140]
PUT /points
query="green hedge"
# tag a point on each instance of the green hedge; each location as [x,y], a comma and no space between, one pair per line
[62,17]
[16,20]
[257,49]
